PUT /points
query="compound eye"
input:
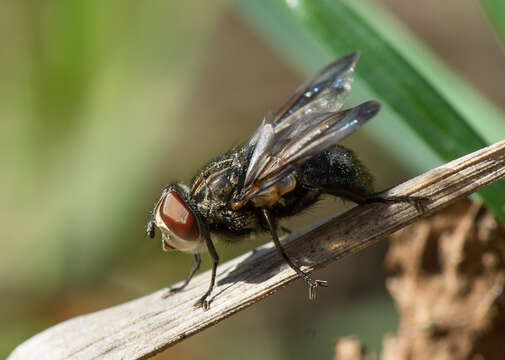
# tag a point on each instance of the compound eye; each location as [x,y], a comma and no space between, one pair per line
[178,218]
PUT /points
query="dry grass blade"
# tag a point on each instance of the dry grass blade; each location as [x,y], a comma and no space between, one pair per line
[142,327]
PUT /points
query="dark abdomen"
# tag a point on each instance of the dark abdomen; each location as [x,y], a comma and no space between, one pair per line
[337,171]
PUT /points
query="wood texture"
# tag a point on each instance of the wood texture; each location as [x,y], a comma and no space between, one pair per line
[143,327]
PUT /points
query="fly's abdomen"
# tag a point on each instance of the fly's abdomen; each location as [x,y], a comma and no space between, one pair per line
[336,171]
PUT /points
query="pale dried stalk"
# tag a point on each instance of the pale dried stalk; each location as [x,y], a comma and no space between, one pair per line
[145,326]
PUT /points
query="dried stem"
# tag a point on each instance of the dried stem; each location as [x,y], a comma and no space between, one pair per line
[145,326]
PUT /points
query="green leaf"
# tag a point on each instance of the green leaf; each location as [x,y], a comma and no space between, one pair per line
[314,32]
[495,9]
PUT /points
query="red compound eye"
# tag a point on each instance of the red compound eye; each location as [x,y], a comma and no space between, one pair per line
[178,217]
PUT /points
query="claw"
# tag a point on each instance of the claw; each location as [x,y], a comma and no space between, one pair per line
[202,303]
[175,289]
[171,291]
[418,202]
[313,288]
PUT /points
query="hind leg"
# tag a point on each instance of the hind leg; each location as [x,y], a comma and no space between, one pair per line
[367,198]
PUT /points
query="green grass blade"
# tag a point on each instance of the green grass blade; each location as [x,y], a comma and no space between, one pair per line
[495,10]
[317,31]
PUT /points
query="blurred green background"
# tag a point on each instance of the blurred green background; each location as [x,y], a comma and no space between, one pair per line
[103,103]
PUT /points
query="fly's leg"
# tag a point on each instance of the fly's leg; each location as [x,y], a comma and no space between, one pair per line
[417,202]
[367,198]
[337,171]
[313,284]
[203,302]
[285,230]
[192,272]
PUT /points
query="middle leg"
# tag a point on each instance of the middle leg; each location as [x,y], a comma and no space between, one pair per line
[313,284]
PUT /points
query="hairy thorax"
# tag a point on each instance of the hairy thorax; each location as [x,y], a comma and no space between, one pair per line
[216,184]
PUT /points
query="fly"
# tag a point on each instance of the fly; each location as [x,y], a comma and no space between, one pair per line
[289,162]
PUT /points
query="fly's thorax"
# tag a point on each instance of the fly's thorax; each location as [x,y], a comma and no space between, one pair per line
[180,226]
[218,180]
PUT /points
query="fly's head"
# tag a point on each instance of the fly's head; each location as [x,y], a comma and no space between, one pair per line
[178,221]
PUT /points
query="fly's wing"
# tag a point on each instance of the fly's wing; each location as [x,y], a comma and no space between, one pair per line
[276,155]
[306,125]
[326,92]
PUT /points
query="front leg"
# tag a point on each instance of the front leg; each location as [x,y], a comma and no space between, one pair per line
[194,269]
[313,284]
[203,302]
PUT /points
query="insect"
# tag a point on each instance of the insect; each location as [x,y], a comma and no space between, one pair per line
[289,162]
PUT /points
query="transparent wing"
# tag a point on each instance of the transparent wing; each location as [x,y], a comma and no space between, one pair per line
[326,92]
[308,123]
[276,155]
